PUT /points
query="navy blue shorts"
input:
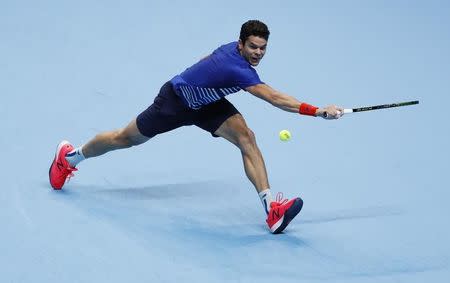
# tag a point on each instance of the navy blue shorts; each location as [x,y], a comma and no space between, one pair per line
[168,112]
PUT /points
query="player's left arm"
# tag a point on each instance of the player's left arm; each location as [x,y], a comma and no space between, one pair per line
[289,103]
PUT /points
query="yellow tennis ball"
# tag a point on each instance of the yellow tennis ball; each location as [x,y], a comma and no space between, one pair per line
[285,135]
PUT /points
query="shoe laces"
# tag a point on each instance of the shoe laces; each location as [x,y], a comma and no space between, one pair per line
[279,199]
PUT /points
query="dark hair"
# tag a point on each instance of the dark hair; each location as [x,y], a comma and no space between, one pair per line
[255,28]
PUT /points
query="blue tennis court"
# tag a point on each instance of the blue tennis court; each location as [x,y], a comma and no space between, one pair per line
[179,208]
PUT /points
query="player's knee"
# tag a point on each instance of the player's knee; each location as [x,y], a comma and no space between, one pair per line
[246,139]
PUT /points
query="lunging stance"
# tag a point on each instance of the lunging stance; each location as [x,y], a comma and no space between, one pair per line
[197,97]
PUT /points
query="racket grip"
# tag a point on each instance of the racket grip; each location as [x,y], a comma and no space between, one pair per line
[346,111]
[325,115]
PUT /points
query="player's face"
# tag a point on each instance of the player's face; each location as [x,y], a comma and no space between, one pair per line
[253,49]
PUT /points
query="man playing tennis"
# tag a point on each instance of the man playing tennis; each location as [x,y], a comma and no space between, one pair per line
[197,97]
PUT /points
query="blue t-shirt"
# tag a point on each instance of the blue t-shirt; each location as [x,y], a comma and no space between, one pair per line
[225,71]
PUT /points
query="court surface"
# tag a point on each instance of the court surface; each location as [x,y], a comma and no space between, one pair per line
[179,208]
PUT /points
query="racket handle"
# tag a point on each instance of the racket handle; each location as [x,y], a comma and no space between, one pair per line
[325,114]
[346,111]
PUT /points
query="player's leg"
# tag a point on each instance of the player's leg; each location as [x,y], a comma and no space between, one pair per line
[280,212]
[235,130]
[112,140]
[165,114]
[67,157]
[224,120]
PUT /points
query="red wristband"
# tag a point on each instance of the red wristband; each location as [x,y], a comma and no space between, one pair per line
[306,109]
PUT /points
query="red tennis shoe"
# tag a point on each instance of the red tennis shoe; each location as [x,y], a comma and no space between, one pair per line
[282,212]
[61,169]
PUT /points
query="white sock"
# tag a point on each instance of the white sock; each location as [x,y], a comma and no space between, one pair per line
[75,156]
[266,199]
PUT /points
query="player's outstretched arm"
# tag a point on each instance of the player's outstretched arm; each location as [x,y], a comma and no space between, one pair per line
[291,104]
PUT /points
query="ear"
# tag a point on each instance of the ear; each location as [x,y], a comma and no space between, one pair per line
[240,45]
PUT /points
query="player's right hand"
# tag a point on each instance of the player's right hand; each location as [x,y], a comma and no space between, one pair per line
[330,112]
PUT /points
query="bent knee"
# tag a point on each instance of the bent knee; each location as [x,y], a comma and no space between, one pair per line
[246,139]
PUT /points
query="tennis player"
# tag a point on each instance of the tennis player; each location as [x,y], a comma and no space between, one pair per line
[197,97]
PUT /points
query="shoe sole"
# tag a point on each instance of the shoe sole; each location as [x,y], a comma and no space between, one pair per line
[289,215]
[58,149]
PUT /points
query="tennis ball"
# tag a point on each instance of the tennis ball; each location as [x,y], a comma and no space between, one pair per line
[285,135]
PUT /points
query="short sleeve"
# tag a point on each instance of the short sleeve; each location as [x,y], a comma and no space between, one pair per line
[246,77]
